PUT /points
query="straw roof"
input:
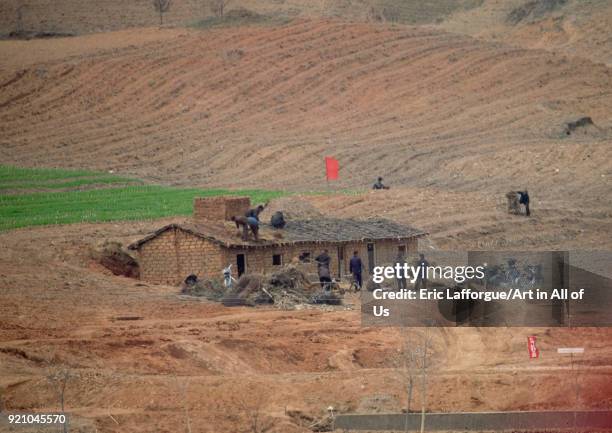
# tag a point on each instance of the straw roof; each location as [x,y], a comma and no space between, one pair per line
[318,230]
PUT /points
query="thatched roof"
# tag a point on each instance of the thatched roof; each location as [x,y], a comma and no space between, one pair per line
[318,230]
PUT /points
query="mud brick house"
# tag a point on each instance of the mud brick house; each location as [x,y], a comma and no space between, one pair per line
[211,242]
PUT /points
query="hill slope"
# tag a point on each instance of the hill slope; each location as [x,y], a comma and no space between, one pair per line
[421,106]
[574,27]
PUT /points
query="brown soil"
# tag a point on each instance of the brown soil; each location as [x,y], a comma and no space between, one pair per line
[57,311]
[452,123]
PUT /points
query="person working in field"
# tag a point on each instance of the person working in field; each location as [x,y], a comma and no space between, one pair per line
[247,223]
[524,200]
[379,184]
[355,268]
[323,260]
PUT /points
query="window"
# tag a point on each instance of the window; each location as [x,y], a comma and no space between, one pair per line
[401,249]
[277,260]
[305,257]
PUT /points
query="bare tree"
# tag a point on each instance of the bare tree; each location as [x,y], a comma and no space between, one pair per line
[161,6]
[255,419]
[219,6]
[59,378]
[412,364]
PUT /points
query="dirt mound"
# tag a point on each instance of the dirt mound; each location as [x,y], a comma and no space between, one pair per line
[113,257]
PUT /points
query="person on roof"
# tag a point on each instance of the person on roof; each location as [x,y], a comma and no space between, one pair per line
[278,220]
[247,223]
[379,184]
[254,213]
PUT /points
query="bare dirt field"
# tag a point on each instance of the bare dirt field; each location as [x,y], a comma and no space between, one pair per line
[452,122]
[225,364]
[418,105]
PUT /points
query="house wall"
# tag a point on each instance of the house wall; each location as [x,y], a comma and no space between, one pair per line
[385,252]
[260,260]
[157,259]
[173,255]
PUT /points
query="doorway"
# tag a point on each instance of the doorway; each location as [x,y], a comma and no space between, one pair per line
[241,264]
[371,258]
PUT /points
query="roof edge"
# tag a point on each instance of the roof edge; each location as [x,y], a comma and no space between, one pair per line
[137,244]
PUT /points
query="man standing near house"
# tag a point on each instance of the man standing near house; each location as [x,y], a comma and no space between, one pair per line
[524,200]
[323,261]
[355,268]
[247,223]
[421,280]
[400,260]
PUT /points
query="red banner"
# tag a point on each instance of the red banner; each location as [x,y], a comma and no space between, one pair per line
[531,346]
[332,167]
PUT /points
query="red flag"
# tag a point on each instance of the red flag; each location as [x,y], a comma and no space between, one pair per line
[531,346]
[331,168]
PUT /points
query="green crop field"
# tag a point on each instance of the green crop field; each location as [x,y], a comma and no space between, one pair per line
[109,198]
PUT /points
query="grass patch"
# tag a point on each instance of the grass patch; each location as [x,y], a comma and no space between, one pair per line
[113,202]
[63,184]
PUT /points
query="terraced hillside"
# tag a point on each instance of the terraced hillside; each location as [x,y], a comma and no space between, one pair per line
[264,105]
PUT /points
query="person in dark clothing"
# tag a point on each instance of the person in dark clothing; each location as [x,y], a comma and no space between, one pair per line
[355,268]
[401,281]
[524,200]
[421,281]
[254,213]
[323,261]
[379,184]
[247,223]
[324,277]
[278,220]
